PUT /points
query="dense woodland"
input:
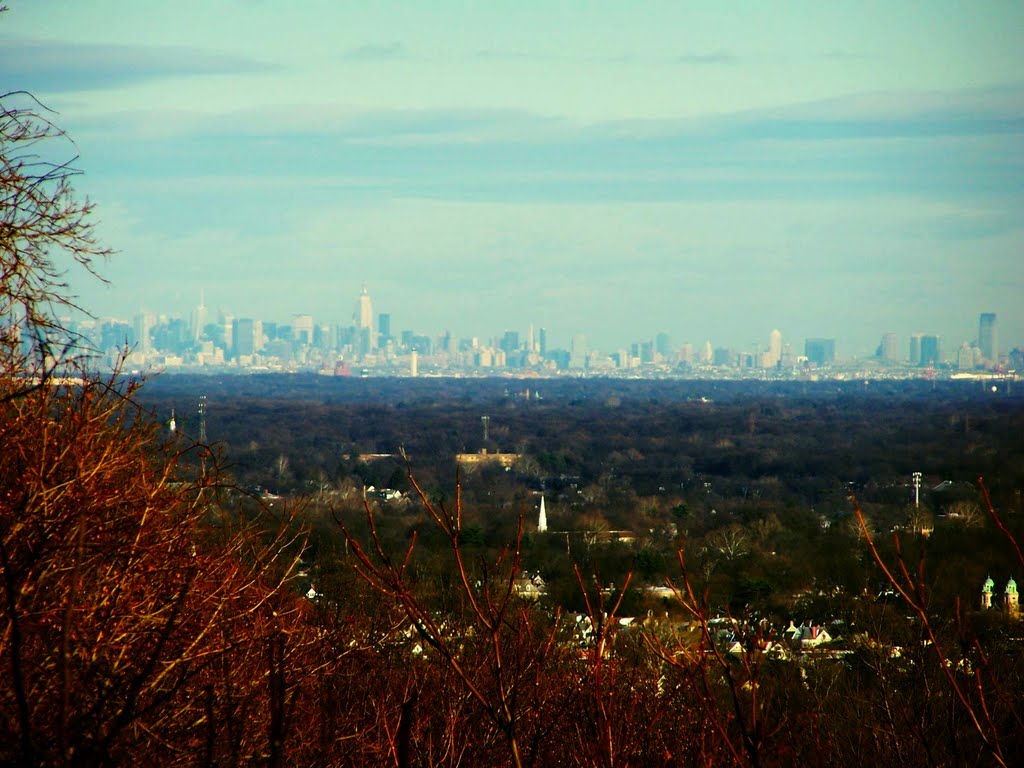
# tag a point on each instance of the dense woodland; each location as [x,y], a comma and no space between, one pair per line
[768,466]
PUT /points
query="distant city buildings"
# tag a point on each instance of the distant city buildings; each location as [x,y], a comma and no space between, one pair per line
[931,351]
[198,320]
[363,323]
[925,350]
[578,353]
[142,326]
[914,357]
[888,349]
[245,341]
[988,339]
[371,345]
[774,355]
[820,351]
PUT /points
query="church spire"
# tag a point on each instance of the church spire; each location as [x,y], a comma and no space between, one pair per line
[542,519]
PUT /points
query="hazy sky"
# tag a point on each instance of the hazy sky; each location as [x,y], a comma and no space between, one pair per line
[713,170]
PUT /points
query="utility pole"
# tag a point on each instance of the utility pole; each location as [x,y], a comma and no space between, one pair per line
[917,489]
[202,419]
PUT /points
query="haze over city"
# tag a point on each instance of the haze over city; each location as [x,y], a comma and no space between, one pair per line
[840,171]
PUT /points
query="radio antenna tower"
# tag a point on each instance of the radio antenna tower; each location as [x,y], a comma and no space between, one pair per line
[202,419]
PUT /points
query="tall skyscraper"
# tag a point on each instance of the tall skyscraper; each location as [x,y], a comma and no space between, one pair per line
[931,350]
[143,328]
[509,342]
[967,357]
[302,329]
[362,319]
[224,330]
[364,310]
[244,337]
[915,348]
[988,340]
[199,319]
[820,351]
[774,348]
[663,344]
[578,353]
[888,348]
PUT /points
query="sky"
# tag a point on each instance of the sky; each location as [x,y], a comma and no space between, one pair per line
[711,170]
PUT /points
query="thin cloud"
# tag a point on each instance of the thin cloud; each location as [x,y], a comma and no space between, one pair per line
[710,58]
[859,148]
[375,52]
[844,55]
[506,54]
[52,66]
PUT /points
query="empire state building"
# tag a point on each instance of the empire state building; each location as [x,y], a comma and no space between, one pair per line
[364,322]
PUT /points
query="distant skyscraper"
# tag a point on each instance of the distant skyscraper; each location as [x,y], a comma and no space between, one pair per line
[820,351]
[931,350]
[362,319]
[364,310]
[578,353]
[509,342]
[384,325]
[774,348]
[225,325]
[302,329]
[967,357]
[889,347]
[915,348]
[199,319]
[244,336]
[988,340]
[143,328]
[323,338]
[542,342]
[723,356]
[663,344]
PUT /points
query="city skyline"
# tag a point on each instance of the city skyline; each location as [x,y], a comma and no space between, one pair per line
[370,335]
[893,344]
[836,171]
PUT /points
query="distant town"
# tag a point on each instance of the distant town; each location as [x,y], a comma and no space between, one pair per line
[368,345]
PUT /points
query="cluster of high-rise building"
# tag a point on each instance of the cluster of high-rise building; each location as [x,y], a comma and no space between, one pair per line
[368,343]
[982,353]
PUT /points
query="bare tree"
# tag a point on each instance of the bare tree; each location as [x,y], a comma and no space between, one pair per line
[44,229]
[980,701]
[493,648]
[141,616]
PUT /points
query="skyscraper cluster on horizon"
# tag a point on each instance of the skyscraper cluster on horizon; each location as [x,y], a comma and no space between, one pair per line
[206,339]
